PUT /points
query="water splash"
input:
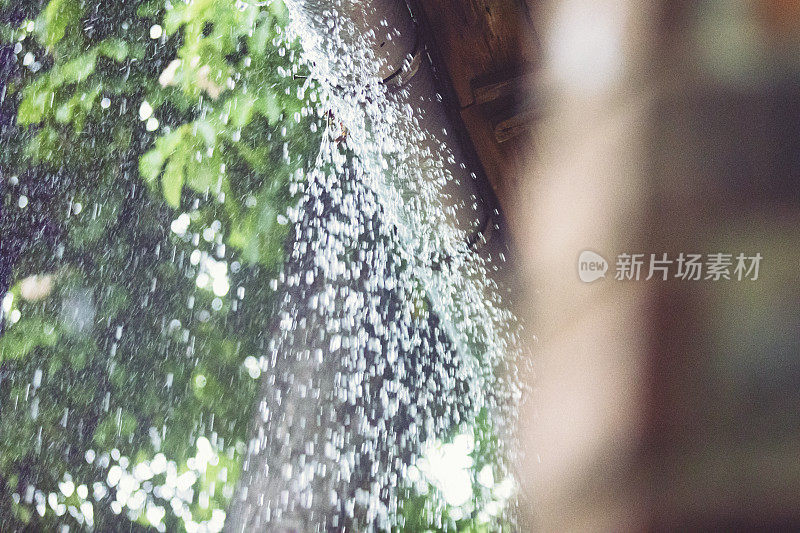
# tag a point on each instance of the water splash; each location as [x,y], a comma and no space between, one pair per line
[390,332]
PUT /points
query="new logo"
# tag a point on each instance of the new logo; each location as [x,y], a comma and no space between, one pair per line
[591,266]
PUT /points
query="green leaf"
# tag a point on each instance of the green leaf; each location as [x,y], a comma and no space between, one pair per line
[205,175]
[32,108]
[258,42]
[167,144]
[75,70]
[43,146]
[172,180]
[241,110]
[116,49]
[269,106]
[278,8]
[206,130]
[58,15]
[150,164]
[64,111]
[22,513]
[174,19]
[23,337]
[197,10]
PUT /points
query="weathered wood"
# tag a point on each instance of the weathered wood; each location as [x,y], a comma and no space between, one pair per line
[479,36]
[503,162]
[474,41]
[514,126]
[488,88]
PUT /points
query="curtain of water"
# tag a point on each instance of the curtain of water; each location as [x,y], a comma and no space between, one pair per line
[390,331]
[346,402]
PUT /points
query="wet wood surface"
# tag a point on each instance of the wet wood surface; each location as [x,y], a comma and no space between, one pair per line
[488,51]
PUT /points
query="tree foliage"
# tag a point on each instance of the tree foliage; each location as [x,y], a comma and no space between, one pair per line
[151,150]
[122,339]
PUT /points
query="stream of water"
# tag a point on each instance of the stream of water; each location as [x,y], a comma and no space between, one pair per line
[393,339]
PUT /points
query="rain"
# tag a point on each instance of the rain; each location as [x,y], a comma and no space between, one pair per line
[244,288]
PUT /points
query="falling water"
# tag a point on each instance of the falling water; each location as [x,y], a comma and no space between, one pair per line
[133,337]
[390,333]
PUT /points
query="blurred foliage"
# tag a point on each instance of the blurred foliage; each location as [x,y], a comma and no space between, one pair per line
[150,152]
[130,115]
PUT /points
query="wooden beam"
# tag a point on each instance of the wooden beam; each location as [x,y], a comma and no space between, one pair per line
[488,88]
[513,126]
